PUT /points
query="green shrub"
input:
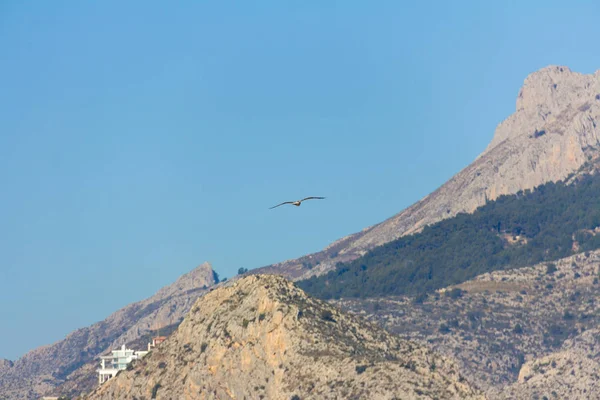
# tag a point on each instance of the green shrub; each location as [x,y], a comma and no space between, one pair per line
[518,329]
[568,316]
[155,390]
[551,268]
[420,299]
[360,369]
[130,365]
[327,315]
[454,293]
[444,329]
[537,133]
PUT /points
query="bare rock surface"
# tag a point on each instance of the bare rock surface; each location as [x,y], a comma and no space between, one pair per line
[573,372]
[263,338]
[505,328]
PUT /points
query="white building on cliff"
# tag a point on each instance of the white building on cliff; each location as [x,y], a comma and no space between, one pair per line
[117,361]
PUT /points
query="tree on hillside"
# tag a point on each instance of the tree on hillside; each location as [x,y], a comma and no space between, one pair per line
[457,249]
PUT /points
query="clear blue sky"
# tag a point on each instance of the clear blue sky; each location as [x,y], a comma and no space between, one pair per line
[139,139]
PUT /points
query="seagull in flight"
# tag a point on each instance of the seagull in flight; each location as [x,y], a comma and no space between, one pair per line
[297,202]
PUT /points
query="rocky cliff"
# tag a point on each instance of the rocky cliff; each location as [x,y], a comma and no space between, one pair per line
[263,338]
[44,369]
[554,131]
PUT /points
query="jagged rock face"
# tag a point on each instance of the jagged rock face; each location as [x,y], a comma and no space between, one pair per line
[564,108]
[41,370]
[554,131]
[545,96]
[263,338]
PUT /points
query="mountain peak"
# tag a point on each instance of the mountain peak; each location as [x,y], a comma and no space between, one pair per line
[554,133]
[546,96]
[553,87]
[263,337]
[201,276]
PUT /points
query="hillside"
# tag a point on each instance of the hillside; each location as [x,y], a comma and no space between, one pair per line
[263,338]
[552,135]
[43,370]
[518,334]
[551,222]
[554,131]
[572,372]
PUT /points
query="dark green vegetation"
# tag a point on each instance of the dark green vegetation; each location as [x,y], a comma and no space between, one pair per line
[553,221]
[155,390]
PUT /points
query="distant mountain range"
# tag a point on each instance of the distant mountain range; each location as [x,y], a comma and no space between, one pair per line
[73,360]
[553,135]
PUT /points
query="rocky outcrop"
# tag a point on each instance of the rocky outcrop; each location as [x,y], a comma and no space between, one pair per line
[504,329]
[42,370]
[546,98]
[553,133]
[571,373]
[263,338]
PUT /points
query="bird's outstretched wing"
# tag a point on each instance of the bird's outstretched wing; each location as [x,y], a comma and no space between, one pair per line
[312,197]
[286,202]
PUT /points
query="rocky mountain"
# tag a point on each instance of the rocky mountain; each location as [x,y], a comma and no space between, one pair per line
[263,338]
[573,372]
[554,131]
[552,135]
[519,334]
[42,370]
